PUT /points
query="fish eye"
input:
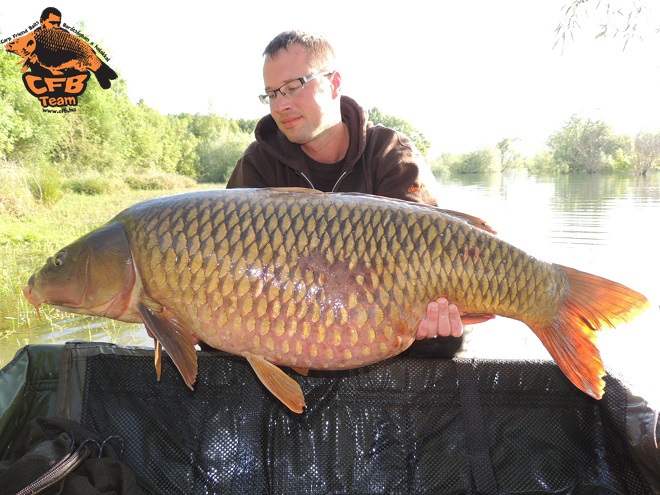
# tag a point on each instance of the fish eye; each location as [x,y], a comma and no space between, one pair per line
[59,258]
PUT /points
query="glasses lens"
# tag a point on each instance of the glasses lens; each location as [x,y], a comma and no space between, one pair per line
[292,88]
[265,99]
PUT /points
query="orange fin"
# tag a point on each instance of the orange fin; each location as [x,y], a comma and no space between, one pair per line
[301,371]
[591,304]
[281,385]
[474,318]
[471,219]
[158,358]
[175,336]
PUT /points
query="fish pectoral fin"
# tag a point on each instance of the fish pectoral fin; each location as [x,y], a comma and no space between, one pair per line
[301,371]
[474,318]
[281,385]
[175,336]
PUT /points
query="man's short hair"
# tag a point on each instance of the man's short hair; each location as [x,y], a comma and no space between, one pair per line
[50,10]
[319,50]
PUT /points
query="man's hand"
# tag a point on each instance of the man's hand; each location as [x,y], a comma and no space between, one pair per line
[442,319]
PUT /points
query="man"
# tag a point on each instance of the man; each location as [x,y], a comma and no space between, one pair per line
[316,138]
[51,18]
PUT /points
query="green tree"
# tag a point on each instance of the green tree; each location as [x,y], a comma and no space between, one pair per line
[27,134]
[247,125]
[218,156]
[508,155]
[421,143]
[646,156]
[479,161]
[584,146]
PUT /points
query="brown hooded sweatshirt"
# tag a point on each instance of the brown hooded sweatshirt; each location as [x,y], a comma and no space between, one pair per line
[379,161]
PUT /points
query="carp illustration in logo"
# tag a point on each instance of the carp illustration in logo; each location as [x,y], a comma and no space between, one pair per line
[51,51]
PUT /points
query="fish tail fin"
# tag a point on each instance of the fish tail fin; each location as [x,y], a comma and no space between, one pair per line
[592,303]
[104,75]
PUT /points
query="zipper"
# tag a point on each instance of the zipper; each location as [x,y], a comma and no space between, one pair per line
[307,179]
[60,470]
[334,189]
[341,177]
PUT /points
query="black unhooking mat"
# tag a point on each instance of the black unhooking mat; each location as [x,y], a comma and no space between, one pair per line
[404,426]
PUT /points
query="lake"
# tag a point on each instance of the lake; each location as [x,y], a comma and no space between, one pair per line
[603,224]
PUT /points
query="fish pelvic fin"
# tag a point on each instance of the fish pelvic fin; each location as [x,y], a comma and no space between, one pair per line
[592,304]
[175,336]
[281,385]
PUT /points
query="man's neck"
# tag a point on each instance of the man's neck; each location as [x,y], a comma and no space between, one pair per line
[332,145]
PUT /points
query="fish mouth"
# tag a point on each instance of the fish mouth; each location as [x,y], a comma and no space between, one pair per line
[33,296]
[37,300]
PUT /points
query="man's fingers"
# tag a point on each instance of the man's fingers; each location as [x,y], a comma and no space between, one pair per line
[455,322]
[442,319]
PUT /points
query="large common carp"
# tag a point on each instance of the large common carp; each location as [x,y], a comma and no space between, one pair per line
[319,281]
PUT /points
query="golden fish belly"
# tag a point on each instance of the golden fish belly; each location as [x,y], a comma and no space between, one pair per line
[313,283]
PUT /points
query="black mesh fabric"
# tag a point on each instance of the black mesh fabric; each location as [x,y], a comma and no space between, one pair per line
[405,426]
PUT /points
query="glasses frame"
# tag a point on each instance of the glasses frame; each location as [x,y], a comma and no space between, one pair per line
[266,98]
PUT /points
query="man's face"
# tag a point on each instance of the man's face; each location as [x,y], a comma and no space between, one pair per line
[53,21]
[306,115]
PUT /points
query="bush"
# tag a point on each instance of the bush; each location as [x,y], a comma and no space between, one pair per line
[218,158]
[46,185]
[153,182]
[15,195]
[476,162]
[94,185]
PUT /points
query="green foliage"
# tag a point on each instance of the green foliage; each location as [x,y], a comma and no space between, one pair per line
[158,181]
[509,157]
[217,158]
[584,145]
[95,184]
[46,185]
[479,161]
[646,156]
[421,143]
[15,195]
[247,126]
[543,163]
[443,164]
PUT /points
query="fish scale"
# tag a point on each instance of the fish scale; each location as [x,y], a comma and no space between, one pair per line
[327,244]
[317,280]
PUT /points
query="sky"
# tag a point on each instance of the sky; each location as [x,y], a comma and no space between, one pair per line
[466,74]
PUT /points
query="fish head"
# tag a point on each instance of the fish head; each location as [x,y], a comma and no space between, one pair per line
[22,46]
[94,275]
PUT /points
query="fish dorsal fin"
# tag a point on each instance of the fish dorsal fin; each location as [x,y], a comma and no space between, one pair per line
[175,337]
[471,219]
[281,385]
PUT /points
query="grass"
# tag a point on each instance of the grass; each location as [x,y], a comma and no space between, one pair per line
[34,231]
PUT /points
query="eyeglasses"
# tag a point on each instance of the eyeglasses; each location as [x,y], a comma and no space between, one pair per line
[291,88]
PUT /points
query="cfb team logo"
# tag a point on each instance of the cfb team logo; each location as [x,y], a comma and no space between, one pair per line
[56,63]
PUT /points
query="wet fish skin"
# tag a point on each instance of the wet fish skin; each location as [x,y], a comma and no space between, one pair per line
[324,281]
